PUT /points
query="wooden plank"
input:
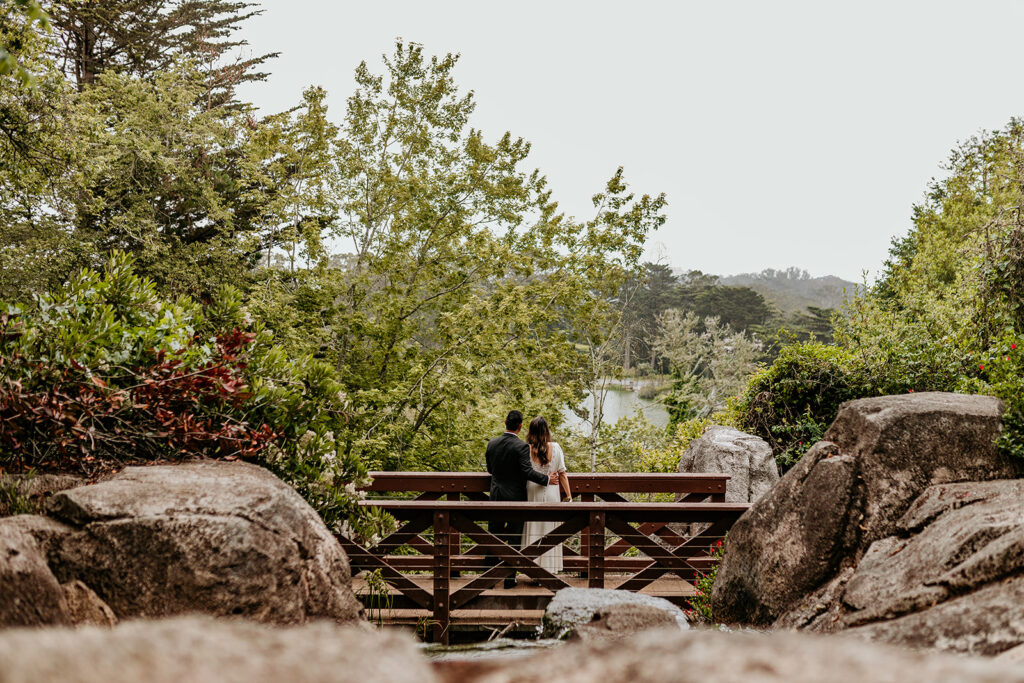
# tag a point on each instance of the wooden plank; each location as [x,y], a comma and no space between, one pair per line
[442,576]
[394,577]
[613,482]
[660,528]
[595,556]
[404,534]
[506,553]
[692,547]
[491,577]
[420,544]
[632,512]
[425,563]
[455,539]
[664,558]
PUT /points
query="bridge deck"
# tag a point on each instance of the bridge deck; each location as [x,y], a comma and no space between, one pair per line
[497,608]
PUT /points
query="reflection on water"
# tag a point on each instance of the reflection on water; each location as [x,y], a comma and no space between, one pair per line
[620,402]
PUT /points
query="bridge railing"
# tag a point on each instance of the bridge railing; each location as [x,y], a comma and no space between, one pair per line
[621,544]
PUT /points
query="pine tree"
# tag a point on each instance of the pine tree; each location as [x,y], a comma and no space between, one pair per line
[144,37]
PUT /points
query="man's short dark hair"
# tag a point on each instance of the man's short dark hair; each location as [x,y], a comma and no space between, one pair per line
[514,420]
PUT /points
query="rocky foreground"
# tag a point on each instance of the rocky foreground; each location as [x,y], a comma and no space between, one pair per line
[203,649]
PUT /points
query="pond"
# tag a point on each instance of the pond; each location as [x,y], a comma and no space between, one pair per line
[621,401]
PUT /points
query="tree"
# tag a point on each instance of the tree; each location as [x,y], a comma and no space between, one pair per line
[464,290]
[653,292]
[17,19]
[143,38]
[196,195]
[710,361]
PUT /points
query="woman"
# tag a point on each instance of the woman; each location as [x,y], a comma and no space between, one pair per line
[547,457]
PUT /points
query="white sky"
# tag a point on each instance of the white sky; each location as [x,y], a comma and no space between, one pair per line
[783,133]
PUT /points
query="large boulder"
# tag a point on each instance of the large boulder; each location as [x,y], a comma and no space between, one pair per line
[203,649]
[747,459]
[951,578]
[30,594]
[850,490]
[699,656]
[225,539]
[572,608]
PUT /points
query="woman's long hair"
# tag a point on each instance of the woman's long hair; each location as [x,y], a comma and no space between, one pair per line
[539,438]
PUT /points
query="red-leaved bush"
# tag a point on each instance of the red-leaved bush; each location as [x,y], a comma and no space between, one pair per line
[104,373]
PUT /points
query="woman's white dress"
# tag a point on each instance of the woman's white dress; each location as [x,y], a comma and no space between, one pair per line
[535,493]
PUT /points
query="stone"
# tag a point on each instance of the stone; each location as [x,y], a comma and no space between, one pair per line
[572,608]
[1015,655]
[205,649]
[618,621]
[85,607]
[30,594]
[951,578]
[747,459]
[849,491]
[220,538]
[699,656]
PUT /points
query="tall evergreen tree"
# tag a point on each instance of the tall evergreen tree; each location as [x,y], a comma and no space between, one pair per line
[144,37]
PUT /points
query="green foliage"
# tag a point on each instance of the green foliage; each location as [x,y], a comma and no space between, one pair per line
[790,403]
[379,596]
[700,602]
[465,292]
[945,316]
[17,19]
[664,457]
[13,500]
[709,361]
[630,444]
[105,373]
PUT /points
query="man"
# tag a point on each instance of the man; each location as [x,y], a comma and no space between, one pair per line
[508,461]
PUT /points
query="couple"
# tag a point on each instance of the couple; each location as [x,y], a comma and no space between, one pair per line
[531,470]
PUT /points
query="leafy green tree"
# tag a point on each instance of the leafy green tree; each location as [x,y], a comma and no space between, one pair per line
[709,360]
[464,292]
[17,18]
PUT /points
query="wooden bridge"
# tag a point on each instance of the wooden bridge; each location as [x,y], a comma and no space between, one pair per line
[436,562]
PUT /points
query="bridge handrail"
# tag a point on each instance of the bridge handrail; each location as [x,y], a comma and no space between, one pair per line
[527,511]
[582,483]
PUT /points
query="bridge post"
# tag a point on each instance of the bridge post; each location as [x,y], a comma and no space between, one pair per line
[442,576]
[595,551]
[585,536]
[456,537]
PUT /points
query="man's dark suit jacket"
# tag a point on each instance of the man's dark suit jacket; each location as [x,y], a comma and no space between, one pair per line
[508,461]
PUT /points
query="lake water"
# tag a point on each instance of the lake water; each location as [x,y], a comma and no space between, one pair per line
[620,402]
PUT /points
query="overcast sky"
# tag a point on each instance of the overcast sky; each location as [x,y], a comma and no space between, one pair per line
[783,133]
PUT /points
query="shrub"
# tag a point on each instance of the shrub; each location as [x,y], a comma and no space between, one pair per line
[790,403]
[104,373]
[700,602]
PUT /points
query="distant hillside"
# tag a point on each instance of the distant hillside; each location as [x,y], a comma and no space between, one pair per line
[793,290]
